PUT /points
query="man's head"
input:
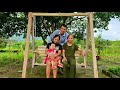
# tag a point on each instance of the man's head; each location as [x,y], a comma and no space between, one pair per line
[63,29]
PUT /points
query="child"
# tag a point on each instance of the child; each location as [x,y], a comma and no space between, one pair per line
[69,65]
[50,56]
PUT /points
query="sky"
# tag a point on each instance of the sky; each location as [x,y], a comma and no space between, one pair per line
[113,32]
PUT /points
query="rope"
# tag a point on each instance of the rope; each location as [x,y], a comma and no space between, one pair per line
[35,25]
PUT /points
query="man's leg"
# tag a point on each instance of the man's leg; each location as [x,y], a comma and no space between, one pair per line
[60,69]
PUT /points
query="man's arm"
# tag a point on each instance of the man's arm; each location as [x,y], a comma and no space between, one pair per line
[66,37]
[51,36]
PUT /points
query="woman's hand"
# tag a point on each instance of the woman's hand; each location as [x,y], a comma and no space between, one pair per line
[55,55]
[64,59]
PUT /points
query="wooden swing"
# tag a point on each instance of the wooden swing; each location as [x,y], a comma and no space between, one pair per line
[41,49]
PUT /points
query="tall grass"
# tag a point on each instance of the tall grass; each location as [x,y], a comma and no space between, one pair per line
[7,58]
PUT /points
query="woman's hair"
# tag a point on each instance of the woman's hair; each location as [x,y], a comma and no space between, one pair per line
[70,35]
[56,36]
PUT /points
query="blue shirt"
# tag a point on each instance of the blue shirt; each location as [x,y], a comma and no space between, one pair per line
[63,38]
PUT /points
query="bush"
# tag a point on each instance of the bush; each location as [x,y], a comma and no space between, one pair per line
[115,70]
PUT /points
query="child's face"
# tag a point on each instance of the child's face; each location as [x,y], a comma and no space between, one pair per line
[70,39]
[52,46]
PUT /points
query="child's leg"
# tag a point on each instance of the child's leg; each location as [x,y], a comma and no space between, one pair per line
[60,64]
[57,59]
[53,64]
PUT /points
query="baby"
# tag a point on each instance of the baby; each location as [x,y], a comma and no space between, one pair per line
[50,56]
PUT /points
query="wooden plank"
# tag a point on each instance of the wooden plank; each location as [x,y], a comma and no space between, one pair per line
[60,14]
[39,64]
[93,47]
[27,45]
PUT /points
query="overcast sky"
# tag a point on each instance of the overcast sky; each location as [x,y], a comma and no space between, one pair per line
[114,31]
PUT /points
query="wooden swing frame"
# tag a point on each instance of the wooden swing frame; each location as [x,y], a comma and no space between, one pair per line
[90,33]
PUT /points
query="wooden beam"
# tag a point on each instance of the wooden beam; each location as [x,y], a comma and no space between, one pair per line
[27,45]
[60,14]
[93,46]
[87,43]
[33,42]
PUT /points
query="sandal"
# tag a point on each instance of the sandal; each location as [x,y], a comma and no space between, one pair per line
[60,65]
[53,67]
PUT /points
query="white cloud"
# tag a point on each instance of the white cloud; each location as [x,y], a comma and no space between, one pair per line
[113,32]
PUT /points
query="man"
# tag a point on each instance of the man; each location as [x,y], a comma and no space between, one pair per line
[63,38]
[62,32]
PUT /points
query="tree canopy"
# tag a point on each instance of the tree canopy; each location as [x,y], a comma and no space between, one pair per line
[16,23]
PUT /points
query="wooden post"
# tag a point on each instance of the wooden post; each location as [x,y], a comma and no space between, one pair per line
[93,46]
[87,43]
[27,45]
[33,43]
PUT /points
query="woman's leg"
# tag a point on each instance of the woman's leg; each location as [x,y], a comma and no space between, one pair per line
[48,69]
[72,68]
[66,69]
[55,70]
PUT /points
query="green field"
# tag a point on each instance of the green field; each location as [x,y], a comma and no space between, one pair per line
[11,62]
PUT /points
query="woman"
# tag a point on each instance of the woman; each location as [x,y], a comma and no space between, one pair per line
[58,48]
[69,48]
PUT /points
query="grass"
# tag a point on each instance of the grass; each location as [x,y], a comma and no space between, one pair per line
[11,70]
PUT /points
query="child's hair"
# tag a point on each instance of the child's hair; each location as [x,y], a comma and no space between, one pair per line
[70,35]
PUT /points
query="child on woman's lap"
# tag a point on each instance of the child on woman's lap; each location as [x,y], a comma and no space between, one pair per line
[51,56]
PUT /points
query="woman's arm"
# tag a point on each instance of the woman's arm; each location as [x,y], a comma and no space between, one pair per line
[57,54]
[64,58]
[46,51]
[63,54]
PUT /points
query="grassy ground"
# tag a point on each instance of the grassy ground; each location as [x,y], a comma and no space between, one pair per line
[13,70]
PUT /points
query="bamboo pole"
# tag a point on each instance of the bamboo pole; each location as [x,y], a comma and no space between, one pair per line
[60,14]
[93,46]
[27,45]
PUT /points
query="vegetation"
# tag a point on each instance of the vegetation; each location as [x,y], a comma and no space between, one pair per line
[15,23]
